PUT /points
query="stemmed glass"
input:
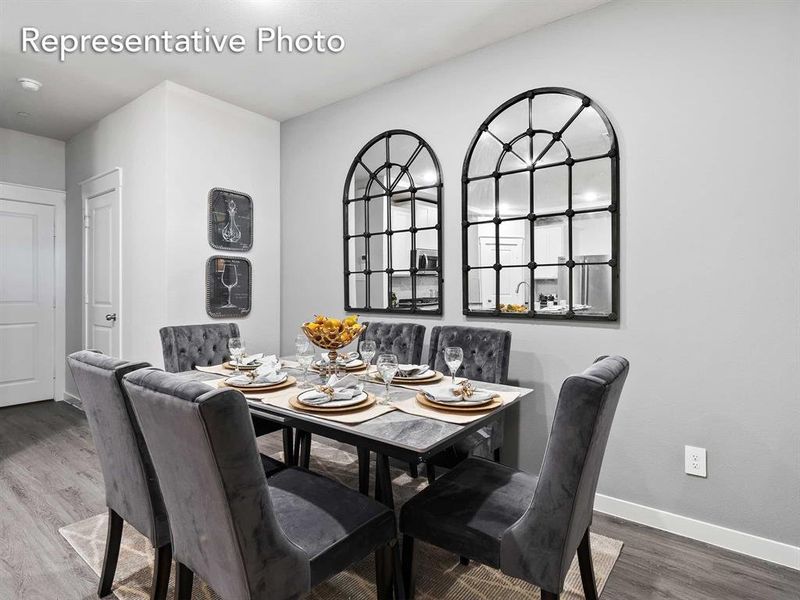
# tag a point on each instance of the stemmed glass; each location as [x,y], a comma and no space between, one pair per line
[236,348]
[453,357]
[305,356]
[387,367]
[230,279]
[367,350]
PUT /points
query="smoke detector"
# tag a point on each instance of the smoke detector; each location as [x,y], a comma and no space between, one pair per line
[29,85]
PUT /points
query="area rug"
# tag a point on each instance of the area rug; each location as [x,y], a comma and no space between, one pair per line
[440,575]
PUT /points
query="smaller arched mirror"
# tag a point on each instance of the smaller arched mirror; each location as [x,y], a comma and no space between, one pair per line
[540,211]
[392,227]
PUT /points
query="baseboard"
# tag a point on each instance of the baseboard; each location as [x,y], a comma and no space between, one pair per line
[730,539]
[72,399]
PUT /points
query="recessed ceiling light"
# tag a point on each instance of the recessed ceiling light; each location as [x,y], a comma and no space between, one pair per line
[29,85]
[23,115]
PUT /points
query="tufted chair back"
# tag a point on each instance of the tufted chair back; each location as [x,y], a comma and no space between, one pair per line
[486,351]
[222,519]
[402,339]
[540,546]
[132,489]
[187,346]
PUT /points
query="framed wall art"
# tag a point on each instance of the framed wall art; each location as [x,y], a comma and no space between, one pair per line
[230,220]
[228,287]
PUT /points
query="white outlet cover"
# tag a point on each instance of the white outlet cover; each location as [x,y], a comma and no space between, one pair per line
[695,461]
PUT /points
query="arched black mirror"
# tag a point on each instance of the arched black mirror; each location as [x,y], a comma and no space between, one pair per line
[540,210]
[392,227]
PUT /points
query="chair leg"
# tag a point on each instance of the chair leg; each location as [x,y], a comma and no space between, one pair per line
[288,447]
[431,471]
[183,582]
[397,571]
[587,568]
[413,471]
[549,595]
[161,568]
[496,455]
[363,470]
[383,572]
[409,566]
[113,539]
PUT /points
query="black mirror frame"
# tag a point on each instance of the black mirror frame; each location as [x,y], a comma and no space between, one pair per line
[346,201]
[613,209]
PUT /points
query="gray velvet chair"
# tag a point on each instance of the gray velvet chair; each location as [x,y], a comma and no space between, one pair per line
[188,346]
[527,526]
[486,356]
[404,340]
[249,537]
[132,492]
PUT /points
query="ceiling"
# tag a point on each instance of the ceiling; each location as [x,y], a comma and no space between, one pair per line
[385,40]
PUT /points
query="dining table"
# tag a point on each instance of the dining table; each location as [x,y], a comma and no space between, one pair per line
[410,438]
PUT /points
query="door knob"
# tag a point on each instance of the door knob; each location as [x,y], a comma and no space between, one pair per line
[111,317]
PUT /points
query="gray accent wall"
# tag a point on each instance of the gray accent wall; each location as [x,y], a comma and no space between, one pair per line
[705,98]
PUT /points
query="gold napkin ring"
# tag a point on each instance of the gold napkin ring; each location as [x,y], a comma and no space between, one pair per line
[465,389]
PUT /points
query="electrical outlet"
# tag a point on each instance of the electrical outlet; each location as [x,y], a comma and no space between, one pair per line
[695,461]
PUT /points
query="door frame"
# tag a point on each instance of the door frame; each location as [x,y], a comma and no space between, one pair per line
[57,199]
[94,186]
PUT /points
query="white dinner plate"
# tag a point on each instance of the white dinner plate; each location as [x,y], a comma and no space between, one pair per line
[357,399]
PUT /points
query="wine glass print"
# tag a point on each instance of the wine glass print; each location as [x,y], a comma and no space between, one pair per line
[230,279]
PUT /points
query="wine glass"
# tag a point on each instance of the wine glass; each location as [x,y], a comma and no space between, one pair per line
[236,348]
[453,357]
[305,356]
[367,351]
[230,279]
[387,367]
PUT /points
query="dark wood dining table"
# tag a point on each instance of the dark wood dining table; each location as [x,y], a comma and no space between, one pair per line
[408,438]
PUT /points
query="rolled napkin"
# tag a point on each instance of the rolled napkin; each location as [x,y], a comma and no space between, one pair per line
[346,388]
[412,370]
[268,373]
[351,359]
[248,360]
[454,394]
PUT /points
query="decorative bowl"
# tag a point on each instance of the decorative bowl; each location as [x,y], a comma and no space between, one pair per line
[332,334]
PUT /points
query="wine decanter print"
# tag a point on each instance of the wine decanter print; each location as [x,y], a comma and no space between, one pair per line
[231,231]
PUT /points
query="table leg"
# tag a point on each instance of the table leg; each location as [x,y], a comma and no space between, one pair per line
[383,481]
[288,447]
[363,470]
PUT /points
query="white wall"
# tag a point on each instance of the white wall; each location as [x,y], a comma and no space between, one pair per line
[173,145]
[704,97]
[31,160]
[134,139]
[211,143]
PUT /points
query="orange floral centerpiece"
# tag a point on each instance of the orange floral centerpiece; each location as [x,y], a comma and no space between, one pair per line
[332,334]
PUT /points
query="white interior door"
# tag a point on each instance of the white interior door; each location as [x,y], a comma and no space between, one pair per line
[102,264]
[27,302]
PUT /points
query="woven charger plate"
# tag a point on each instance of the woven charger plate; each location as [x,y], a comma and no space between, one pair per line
[489,406]
[290,381]
[368,401]
[228,365]
[345,369]
[437,376]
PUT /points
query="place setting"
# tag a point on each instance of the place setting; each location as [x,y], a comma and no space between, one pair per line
[266,377]
[336,395]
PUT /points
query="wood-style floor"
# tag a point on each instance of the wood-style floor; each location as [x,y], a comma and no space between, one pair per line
[50,477]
